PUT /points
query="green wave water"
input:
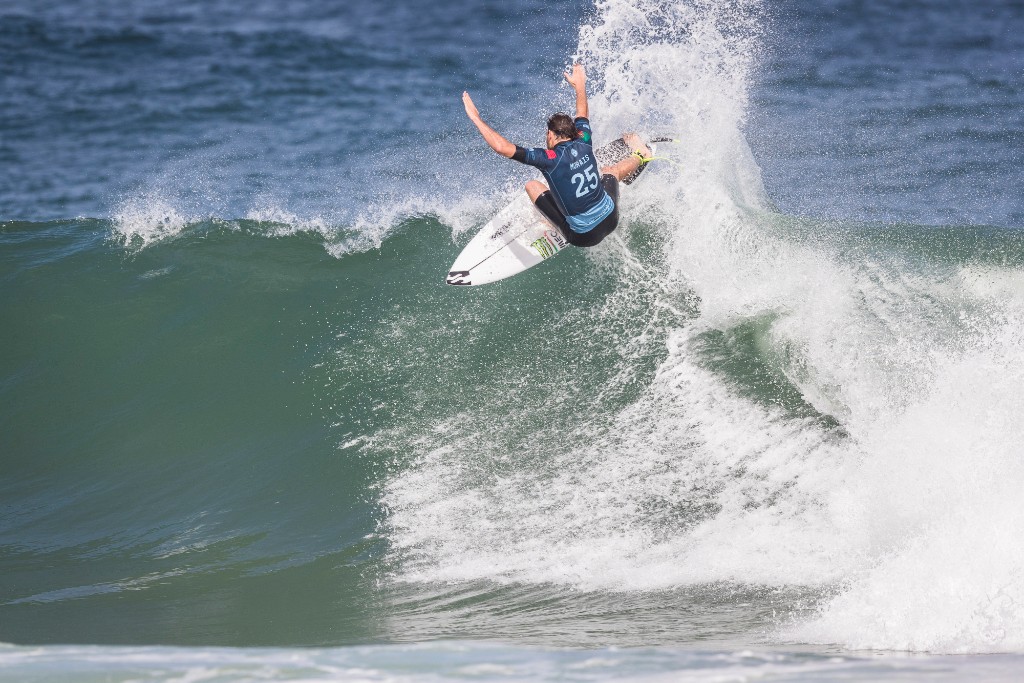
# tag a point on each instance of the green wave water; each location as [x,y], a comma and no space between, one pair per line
[231,436]
[196,426]
[162,435]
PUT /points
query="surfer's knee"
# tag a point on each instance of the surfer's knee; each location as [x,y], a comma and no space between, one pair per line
[535,188]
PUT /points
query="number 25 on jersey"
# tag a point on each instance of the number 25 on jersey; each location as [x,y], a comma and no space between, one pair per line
[582,186]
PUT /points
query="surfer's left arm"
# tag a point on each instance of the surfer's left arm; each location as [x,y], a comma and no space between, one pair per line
[493,138]
[578,80]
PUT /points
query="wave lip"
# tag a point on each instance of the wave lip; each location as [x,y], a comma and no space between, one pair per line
[149,218]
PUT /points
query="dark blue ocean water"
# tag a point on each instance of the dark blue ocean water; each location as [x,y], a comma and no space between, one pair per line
[893,111]
[771,429]
[302,103]
[890,110]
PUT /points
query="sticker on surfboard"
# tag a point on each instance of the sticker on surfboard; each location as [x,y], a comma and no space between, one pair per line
[549,244]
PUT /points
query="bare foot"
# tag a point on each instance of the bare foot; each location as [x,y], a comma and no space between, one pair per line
[635,144]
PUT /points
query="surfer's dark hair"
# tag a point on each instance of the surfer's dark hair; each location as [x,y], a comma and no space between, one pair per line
[562,125]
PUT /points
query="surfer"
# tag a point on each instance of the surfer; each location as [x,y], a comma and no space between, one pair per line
[582,203]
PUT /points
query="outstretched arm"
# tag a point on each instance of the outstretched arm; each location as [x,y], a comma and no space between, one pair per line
[493,138]
[578,80]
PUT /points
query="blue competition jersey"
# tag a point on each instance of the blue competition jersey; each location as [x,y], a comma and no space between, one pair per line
[574,178]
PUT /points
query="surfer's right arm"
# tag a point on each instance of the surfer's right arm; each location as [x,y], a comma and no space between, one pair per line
[493,138]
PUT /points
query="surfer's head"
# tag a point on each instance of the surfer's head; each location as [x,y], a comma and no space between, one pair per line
[561,127]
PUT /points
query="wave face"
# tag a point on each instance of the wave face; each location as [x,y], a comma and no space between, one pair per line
[243,409]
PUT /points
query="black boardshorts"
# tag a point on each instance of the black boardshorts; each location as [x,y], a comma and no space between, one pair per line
[546,203]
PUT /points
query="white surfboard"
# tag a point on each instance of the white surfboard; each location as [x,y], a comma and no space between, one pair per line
[519,236]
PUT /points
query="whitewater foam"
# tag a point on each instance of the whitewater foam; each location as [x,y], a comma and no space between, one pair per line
[899,496]
[941,487]
[457,661]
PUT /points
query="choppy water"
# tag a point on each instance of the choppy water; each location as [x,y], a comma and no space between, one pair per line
[773,429]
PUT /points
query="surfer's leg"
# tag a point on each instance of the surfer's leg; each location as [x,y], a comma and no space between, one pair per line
[622,169]
[535,188]
[546,205]
[541,197]
[630,164]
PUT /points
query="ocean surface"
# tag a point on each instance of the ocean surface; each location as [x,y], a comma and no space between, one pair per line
[772,429]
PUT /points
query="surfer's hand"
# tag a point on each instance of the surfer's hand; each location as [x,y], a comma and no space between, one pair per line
[578,78]
[471,111]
